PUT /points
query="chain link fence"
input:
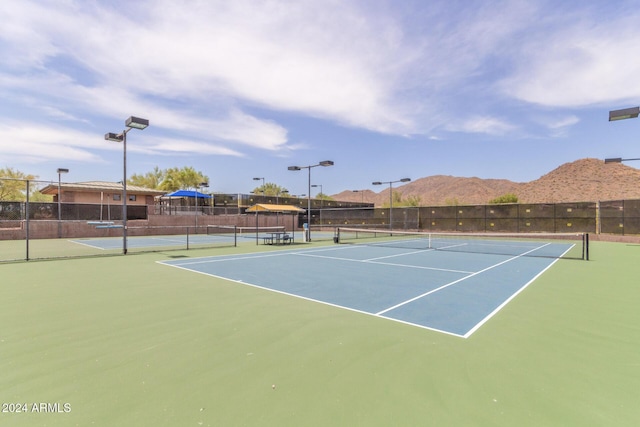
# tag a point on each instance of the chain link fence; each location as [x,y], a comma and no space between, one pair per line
[620,217]
[34,225]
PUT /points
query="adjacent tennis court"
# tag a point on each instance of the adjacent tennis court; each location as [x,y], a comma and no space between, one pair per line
[453,289]
[157,238]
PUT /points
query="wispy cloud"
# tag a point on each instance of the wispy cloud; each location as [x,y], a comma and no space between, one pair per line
[484,125]
[215,76]
[577,59]
[40,143]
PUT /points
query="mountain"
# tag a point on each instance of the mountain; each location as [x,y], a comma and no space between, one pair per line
[580,181]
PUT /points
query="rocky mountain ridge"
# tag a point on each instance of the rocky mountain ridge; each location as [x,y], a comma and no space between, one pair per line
[579,181]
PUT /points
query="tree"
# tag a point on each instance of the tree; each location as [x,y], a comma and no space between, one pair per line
[270,189]
[13,186]
[187,177]
[398,201]
[413,201]
[505,198]
[322,196]
[149,180]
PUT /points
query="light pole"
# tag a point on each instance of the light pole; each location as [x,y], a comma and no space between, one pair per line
[361,195]
[130,123]
[297,168]
[60,171]
[201,186]
[625,113]
[391,196]
[321,199]
[258,179]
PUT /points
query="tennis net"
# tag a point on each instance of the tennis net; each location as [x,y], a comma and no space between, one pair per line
[548,245]
[244,232]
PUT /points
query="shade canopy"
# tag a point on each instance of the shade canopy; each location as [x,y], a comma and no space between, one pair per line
[188,193]
[265,207]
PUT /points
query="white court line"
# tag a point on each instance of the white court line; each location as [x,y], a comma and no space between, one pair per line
[315,300]
[490,315]
[379,314]
[366,261]
[402,254]
[255,255]
[88,245]
[457,281]
[222,258]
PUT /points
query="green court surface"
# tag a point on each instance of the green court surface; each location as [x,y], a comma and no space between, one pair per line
[126,341]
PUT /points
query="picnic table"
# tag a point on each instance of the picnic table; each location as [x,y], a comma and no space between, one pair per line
[277,238]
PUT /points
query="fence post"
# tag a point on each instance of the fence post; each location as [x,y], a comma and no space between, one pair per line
[26,214]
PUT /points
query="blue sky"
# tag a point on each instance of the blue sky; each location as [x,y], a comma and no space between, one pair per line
[386,89]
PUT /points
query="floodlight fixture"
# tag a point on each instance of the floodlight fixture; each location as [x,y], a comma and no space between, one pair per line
[115,137]
[136,123]
[618,160]
[63,170]
[625,113]
[294,168]
[326,163]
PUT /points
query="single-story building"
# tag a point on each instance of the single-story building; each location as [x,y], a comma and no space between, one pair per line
[100,192]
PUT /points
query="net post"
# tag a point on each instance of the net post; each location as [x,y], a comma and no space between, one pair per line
[235,236]
[586,237]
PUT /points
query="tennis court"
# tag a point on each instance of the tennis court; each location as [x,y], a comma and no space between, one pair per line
[145,238]
[453,289]
[126,340]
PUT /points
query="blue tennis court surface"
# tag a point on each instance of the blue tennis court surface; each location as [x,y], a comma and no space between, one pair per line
[449,292]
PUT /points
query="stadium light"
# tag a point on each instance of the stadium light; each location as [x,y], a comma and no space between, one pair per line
[297,168]
[618,160]
[60,172]
[625,113]
[391,196]
[131,123]
[136,123]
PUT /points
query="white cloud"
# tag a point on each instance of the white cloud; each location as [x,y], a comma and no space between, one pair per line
[41,143]
[172,147]
[37,144]
[483,125]
[584,60]
[207,71]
